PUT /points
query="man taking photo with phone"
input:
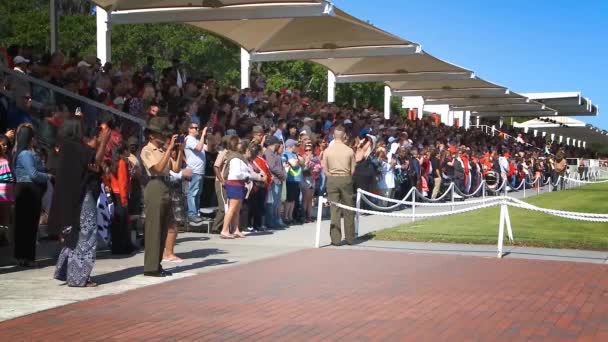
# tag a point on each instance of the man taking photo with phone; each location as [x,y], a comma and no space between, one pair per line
[195,159]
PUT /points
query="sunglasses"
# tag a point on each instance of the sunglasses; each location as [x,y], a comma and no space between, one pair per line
[196,128]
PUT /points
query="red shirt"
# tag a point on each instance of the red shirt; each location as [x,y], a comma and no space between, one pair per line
[120,182]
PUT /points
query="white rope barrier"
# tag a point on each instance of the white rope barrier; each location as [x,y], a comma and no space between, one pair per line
[438,199]
[585,182]
[406,215]
[460,193]
[503,201]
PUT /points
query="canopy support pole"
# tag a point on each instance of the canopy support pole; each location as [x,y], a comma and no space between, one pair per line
[54,27]
[104,35]
[331,87]
[245,68]
[387,102]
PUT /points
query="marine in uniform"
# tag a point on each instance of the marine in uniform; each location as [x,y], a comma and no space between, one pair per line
[339,166]
[157,199]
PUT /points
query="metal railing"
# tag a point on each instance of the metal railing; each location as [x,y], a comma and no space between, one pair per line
[44,94]
[493,131]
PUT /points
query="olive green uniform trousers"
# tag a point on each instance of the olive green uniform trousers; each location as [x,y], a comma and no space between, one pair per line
[158,217]
[340,190]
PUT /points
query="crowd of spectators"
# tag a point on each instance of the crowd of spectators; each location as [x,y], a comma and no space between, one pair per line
[254,154]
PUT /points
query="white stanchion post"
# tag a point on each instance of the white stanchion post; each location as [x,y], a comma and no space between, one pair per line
[483,191]
[452,186]
[319,218]
[524,182]
[508,223]
[501,231]
[414,206]
[357,214]
[506,184]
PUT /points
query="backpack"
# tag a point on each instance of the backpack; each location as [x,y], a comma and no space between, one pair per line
[226,163]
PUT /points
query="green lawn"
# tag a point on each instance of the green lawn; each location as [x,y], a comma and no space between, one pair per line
[529,228]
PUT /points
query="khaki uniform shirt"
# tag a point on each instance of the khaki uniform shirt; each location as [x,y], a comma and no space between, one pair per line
[339,160]
[219,162]
[152,155]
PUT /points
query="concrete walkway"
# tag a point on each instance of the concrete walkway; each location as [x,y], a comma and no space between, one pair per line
[26,291]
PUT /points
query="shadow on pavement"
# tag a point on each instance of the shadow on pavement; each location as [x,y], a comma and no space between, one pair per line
[130,272]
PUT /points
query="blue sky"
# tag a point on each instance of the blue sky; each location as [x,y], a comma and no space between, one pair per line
[527,46]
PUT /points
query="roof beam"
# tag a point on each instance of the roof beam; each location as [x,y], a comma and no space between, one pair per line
[342,52]
[405,77]
[501,107]
[448,93]
[516,113]
[238,12]
[468,101]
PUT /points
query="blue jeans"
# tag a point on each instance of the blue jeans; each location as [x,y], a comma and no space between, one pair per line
[272,217]
[195,187]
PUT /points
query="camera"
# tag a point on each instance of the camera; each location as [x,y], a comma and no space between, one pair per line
[180,139]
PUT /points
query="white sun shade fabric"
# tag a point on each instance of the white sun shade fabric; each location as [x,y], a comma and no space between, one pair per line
[124,5]
[567,103]
[567,127]
[323,32]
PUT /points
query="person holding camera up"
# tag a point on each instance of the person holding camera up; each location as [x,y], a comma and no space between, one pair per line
[157,198]
[195,159]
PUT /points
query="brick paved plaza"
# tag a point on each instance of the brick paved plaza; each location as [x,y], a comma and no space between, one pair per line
[359,295]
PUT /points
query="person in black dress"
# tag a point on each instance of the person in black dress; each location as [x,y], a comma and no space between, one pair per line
[74,207]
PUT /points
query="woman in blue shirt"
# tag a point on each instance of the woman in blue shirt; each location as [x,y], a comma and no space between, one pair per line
[31,184]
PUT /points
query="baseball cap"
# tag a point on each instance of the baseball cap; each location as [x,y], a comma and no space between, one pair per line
[257,129]
[290,143]
[347,122]
[20,60]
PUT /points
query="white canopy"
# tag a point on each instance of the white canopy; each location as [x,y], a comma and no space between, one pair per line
[567,103]
[567,127]
[354,50]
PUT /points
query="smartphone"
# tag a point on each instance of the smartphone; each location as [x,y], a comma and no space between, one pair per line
[180,139]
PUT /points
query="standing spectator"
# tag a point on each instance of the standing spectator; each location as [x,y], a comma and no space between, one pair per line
[293,164]
[277,171]
[176,191]
[386,180]
[312,167]
[236,172]
[157,199]
[218,221]
[136,178]
[339,166]
[31,183]
[257,197]
[19,111]
[436,167]
[119,183]
[561,165]
[73,211]
[503,162]
[7,186]
[148,69]
[195,159]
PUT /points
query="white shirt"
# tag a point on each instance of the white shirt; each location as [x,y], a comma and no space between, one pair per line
[387,180]
[504,164]
[194,159]
[238,170]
